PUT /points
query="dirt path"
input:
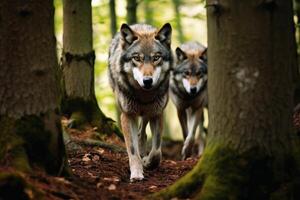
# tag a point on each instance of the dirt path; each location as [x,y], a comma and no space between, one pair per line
[100,173]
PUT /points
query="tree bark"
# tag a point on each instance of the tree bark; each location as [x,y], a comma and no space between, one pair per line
[78,57]
[131,11]
[180,35]
[113,30]
[252,151]
[29,89]
[113,17]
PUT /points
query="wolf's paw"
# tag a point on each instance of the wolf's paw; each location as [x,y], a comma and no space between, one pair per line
[134,177]
[152,160]
[136,169]
[187,148]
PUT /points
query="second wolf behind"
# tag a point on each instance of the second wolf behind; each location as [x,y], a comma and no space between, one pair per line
[188,90]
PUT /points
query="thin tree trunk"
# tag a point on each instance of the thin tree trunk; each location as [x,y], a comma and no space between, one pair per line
[131,11]
[180,35]
[113,30]
[78,57]
[252,151]
[113,17]
[148,11]
[297,31]
[31,134]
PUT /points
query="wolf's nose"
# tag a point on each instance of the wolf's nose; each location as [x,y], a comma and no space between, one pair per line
[147,82]
[193,90]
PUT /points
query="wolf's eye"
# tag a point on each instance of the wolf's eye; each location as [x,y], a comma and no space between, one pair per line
[136,58]
[156,58]
[186,73]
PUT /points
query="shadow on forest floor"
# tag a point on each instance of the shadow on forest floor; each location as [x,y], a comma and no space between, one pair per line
[103,173]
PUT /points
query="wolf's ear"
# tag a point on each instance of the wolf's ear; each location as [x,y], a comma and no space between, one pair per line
[127,34]
[164,35]
[203,56]
[180,54]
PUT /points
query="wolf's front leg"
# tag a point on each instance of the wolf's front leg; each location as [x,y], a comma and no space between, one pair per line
[153,159]
[130,130]
[181,113]
[193,121]
[202,136]
[143,136]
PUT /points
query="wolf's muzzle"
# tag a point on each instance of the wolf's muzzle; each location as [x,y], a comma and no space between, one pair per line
[147,82]
[193,90]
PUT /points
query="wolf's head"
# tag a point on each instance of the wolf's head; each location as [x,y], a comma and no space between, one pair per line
[191,68]
[147,55]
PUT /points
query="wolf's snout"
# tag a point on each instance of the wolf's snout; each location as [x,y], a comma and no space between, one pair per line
[147,82]
[193,90]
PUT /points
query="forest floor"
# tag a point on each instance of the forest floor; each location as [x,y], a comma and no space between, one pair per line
[102,172]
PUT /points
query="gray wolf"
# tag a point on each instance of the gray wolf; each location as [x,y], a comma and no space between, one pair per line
[140,60]
[188,91]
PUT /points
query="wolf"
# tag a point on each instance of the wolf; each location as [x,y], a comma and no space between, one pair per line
[188,91]
[140,60]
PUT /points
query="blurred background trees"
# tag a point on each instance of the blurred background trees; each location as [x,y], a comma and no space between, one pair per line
[188,21]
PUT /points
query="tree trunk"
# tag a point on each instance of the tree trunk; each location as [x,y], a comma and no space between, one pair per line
[29,89]
[180,35]
[131,11]
[113,17]
[148,11]
[252,151]
[79,100]
[113,30]
[297,32]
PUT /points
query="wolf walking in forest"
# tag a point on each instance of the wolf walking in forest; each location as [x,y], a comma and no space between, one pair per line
[188,91]
[140,59]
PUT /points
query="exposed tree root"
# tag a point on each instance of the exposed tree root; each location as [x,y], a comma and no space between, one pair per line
[91,142]
[14,186]
[223,173]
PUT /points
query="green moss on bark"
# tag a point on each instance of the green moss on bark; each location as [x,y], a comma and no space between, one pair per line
[12,152]
[14,186]
[82,111]
[224,173]
[28,142]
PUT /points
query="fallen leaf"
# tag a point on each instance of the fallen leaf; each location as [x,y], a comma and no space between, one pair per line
[100,150]
[153,187]
[86,158]
[112,179]
[99,185]
[96,158]
[62,180]
[92,175]
[112,187]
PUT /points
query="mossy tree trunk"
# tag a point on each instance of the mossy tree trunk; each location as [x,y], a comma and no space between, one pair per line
[30,129]
[180,35]
[78,57]
[252,151]
[131,8]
